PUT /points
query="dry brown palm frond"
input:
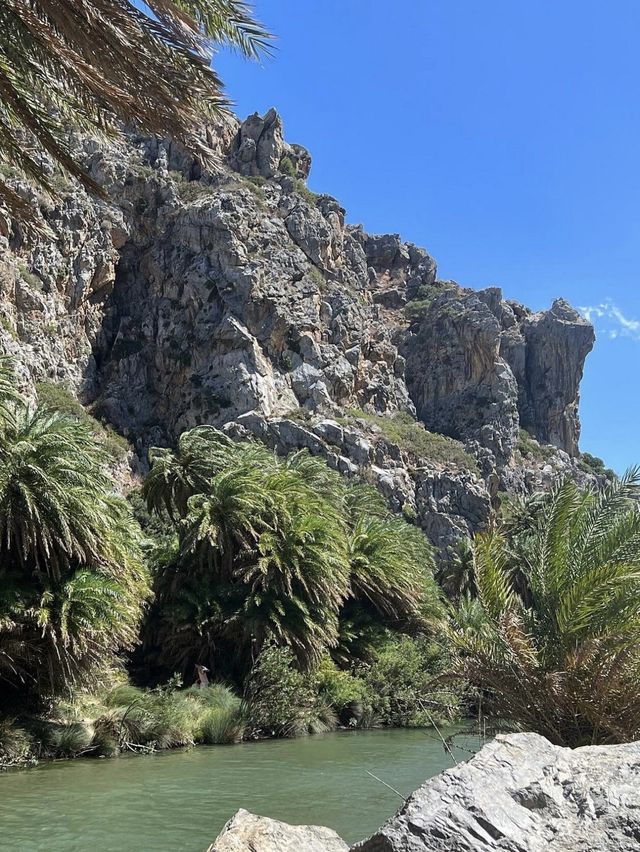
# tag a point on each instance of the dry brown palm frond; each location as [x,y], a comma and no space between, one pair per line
[90,65]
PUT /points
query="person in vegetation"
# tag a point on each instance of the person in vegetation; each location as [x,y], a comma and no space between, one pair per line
[202,679]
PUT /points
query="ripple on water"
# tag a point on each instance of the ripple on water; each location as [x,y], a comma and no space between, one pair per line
[180,800]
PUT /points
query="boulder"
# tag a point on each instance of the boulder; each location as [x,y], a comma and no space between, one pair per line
[520,793]
[247,832]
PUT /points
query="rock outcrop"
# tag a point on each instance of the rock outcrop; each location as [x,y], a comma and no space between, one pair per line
[247,832]
[522,794]
[556,344]
[233,295]
[518,794]
[446,498]
[479,368]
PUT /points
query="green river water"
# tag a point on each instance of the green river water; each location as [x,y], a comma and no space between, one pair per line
[180,800]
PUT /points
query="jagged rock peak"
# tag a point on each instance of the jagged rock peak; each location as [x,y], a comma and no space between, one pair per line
[208,293]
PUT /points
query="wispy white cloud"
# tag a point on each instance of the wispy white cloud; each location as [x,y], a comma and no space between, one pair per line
[609,320]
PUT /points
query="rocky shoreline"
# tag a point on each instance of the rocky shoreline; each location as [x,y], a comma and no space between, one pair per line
[520,793]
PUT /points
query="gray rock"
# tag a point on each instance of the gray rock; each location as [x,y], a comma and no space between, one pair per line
[522,794]
[212,294]
[258,146]
[456,377]
[448,504]
[247,832]
[557,343]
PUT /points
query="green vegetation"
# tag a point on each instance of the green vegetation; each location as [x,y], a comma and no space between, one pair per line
[73,580]
[276,574]
[122,719]
[413,438]
[57,397]
[309,196]
[30,277]
[423,298]
[528,446]
[311,605]
[272,551]
[595,465]
[255,183]
[318,278]
[287,167]
[552,638]
[190,190]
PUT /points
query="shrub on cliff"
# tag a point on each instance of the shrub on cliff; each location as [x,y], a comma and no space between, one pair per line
[557,646]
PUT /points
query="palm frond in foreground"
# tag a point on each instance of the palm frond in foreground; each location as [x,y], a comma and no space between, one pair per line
[557,646]
[88,64]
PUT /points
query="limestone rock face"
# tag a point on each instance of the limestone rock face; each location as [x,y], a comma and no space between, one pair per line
[457,378]
[479,368]
[447,501]
[247,832]
[211,294]
[556,344]
[522,794]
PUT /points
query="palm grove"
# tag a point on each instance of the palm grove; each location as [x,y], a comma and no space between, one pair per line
[309,602]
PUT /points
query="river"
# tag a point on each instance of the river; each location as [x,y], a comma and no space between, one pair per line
[180,800]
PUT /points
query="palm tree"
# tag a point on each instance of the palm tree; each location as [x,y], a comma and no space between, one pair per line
[456,574]
[88,66]
[201,453]
[262,551]
[561,656]
[276,551]
[391,584]
[72,576]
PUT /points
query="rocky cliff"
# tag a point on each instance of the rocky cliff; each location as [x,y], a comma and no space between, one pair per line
[233,295]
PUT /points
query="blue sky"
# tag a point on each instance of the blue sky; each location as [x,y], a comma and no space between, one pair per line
[504,136]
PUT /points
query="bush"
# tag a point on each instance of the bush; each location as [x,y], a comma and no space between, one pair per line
[221,725]
[553,644]
[71,739]
[413,438]
[287,167]
[255,183]
[595,465]
[528,446]
[59,398]
[193,190]
[348,695]
[283,702]
[404,684]
[15,743]
[303,190]
[222,715]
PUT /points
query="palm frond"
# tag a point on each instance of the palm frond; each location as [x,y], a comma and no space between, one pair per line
[91,65]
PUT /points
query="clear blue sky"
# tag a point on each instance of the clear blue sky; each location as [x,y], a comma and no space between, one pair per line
[504,136]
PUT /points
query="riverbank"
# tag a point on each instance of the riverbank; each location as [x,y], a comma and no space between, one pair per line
[130,721]
[278,701]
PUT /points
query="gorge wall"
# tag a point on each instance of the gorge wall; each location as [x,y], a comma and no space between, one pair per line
[232,295]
